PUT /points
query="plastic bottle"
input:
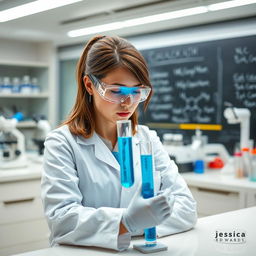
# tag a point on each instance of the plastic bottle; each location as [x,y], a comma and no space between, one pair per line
[177,139]
[6,86]
[25,87]
[16,85]
[168,139]
[199,165]
[238,165]
[1,84]
[252,173]
[34,85]
[246,161]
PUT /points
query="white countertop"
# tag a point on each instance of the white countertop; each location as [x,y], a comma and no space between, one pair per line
[216,179]
[198,241]
[32,171]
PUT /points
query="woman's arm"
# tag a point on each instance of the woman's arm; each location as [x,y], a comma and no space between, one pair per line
[69,221]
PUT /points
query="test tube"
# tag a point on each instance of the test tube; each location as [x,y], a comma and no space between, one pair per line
[252,174]
[238,165]
[124,133]
[147,184]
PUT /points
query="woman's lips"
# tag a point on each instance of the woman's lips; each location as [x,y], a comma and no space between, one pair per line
[123,114]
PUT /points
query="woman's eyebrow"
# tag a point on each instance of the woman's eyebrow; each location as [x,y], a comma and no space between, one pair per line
[126,85]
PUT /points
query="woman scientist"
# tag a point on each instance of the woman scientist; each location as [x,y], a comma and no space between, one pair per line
[83,199]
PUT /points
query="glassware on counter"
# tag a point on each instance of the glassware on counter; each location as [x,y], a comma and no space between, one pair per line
[238,165]
[252,173]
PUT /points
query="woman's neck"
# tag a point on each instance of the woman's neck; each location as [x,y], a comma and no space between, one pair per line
[108,132]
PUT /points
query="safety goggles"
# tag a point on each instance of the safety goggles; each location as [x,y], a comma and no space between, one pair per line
[119,94]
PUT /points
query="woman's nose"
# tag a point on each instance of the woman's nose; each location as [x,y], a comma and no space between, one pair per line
[128,101]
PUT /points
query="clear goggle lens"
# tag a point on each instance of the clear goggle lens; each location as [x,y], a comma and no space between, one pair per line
[119,94]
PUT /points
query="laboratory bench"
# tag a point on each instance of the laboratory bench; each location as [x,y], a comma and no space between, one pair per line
[201,240]
[216,191]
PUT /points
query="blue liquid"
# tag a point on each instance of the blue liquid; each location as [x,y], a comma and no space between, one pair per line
[147,176]
[126,161]
[199,166]
[147,192]
[150,236]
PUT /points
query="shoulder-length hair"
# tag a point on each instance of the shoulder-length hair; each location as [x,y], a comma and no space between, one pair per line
[101,55]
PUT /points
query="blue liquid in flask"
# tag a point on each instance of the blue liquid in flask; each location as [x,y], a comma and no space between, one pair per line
[147,192]
[126,161]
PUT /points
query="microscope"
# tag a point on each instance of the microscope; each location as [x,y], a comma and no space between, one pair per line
[186,155]
[242,116]
[12,145]
[43,128]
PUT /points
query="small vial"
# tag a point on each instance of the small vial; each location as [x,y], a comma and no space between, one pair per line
[238,165]
[124,133]
[147,184]
[252,173]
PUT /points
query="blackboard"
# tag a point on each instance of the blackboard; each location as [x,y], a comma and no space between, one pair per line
[191,83]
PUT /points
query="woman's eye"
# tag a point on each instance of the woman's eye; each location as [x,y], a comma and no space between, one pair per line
[116,91]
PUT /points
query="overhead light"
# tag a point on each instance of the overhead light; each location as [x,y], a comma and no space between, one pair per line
[137,21]
[229,4]
[158,17]
[32,8]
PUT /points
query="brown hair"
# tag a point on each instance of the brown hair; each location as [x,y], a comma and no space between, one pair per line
[101,55]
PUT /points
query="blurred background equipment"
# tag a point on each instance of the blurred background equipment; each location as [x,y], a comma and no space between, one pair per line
[42,129]
[241,116]
[187,156]
[12,143]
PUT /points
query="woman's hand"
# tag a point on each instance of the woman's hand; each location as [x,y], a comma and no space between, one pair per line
[145,213]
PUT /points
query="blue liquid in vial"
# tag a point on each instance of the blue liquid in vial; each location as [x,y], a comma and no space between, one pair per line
[147,192]
[126,161]
[150,236]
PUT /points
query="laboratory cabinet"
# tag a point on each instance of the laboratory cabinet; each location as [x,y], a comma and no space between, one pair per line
[22,223]
[251,198]
[217,192]
[215,201]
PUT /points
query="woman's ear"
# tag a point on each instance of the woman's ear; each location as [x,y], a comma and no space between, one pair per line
[88,85]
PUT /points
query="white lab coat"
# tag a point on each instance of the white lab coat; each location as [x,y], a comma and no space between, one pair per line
[82,195]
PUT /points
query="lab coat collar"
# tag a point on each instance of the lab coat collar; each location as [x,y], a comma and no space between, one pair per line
[102,152]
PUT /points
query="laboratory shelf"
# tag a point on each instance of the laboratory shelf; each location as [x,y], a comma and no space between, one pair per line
[30,104]
[22,63]
[26,124]
[19,95]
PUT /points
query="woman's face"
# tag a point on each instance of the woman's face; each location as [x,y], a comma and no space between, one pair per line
[107,112]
